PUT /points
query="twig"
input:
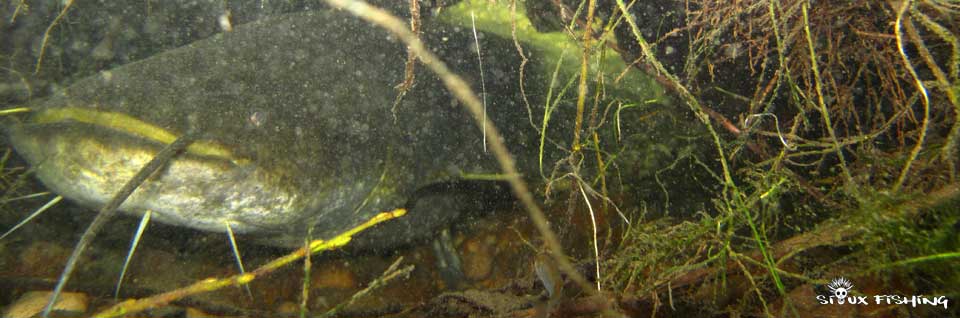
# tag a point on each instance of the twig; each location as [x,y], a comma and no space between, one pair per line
[388,275]
[409,70]
[582,91]
[753,282]
[212,284]
[523,60]
[20,5]
[305,287]
[46,34]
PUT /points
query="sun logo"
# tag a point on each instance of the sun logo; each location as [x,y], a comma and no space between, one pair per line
[840,288]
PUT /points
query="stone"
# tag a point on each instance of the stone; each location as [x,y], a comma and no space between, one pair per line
[32,303]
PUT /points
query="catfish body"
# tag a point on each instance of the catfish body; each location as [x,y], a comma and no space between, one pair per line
[297,126]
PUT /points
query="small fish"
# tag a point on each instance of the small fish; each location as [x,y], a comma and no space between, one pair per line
[549,275]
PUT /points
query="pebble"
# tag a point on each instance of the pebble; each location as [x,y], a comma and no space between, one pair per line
[43,259]
[288,307]
[477,257]
[32,303]
[336,275]
[197,313]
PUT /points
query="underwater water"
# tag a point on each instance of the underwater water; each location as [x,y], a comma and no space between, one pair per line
[300,159]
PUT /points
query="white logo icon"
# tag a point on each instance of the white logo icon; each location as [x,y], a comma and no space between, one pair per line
[840,288]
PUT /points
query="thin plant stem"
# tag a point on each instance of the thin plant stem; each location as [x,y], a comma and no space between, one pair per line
[582,87]
[46,35]
[820,102]
[920,87]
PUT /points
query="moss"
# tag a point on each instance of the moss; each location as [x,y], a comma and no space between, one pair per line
[921,244]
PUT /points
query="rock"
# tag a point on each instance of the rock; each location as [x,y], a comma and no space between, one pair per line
[197,313]
[43,259]
[32,303]
[478,255]
[336,275]
[288,307]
